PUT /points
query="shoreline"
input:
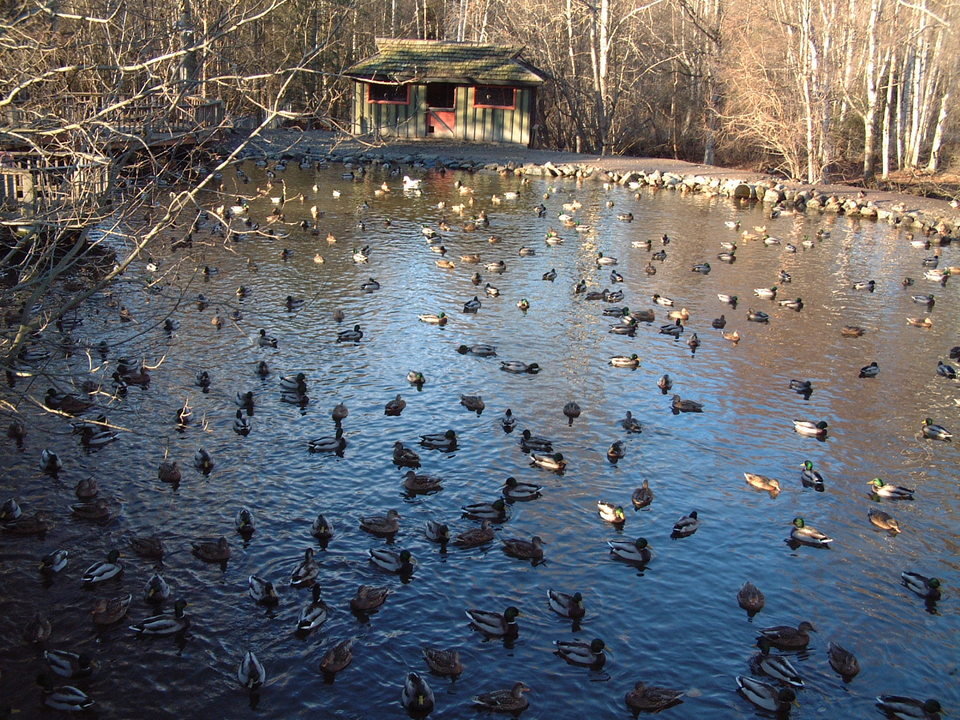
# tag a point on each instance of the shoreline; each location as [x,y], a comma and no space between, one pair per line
[914,212]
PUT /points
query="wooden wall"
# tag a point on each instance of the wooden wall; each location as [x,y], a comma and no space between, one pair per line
[472,123]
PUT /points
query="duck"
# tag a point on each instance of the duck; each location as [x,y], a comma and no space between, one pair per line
[354,335]
[650,698]
[438,319]
[750,598]
[443,662]
[636,551]
[212,551]
[297,383]
[550,275]
[473,402]
[241,424]
[54,562]
[852,331]
[338,657]
[495,624]
[327,444]
[868,285]
[508,422]
[785,637]
[388,524]
[262,591]
[156,590]
[531,549]
[606,259]
[869,371]
[104,570]
[250,672]
[361,256]
[416,696]
[946,370]
[306,572]
[802,387]
[472,306]
[518,367]
[263,370]
[810,428]
[693,342]
[496,267]
[581,653]
[368,598]
[775,666]
[50,462]
[394,407]
[934,431]
[107,611]
[925,322]
[554,461]
[627,327]
[728,299]
[796,304]
[757,316]
[611,513]
[165,623]
[616,451]
[674,329]
[766,695]
[843,661]
[810,477]
[421,484]
[642,496]
[148,546]
[631,424]
[643,316]
[401,563]
[769,293]
[244,401]
[665,383]
[680,405]
[906,708]
[404,456]
[892,492]
[321,528]
[339,413]
[926,587]
[415,377]
[479,350]
[509,701]
[446,441]
[372,284]
[762,482]
[661,300]
[625,361]
[807,535]
[265,340]
[69,664]
[475,536]
[535,443]
[884,521]
[63,697]
[10,510]
[65,402]
[783,276]
[572,411]
[37,629]
[35,524]
[566,605]
[686,526]
[492,291]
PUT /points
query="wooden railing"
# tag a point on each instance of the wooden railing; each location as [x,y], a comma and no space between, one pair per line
[31,183]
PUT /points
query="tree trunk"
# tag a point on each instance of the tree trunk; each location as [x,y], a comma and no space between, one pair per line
[873,93]
[934,163]
[888,117]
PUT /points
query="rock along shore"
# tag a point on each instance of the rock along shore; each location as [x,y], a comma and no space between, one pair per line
[934,217]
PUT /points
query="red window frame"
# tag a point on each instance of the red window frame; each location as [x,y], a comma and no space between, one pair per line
[512,106]
[371,101]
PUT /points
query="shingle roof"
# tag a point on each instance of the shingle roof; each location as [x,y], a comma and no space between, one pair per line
[400,60]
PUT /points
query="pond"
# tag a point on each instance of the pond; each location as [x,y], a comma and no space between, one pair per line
[673,623]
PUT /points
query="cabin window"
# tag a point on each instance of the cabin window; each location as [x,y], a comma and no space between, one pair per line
[494,96]
[388,94]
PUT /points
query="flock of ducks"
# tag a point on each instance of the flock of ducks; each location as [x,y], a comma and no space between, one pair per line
[773,682]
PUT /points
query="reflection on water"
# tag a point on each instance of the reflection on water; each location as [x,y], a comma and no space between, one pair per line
[673,623]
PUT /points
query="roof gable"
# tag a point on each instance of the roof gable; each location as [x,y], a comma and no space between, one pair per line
[402,60]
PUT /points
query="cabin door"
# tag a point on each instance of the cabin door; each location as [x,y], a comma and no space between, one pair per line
[441,109]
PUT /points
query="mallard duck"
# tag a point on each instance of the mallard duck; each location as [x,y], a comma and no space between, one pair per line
[202,461]
[925,322]
[810,428]
[642,496]
[572,411]
[241,424]
[806,535]
[627,327]
[892,492]
[438,319]
[733,337]
[553,462]
[496,267]
[802,387]
[750,598]
[766,293]
[417,484]
[581,653]
[508,422]
[321,529]
[531,549]
[680,405]
[17,431]
[868,285]
[416,696]
[616,451]
[693,342]
[650,698]
[212,551]
[869,371]
[530,442]
[37,629]
[518,367]
[935,432]
[65,402]
[265,341]
[796,304]
[354,335]
[50,462]
[926,587]
[728,299]
[404,456]
[388,524]
[371,285]
[326,444]
[686,526]
[166,623]
[262,591]
[108,611]
[923,299]
[415,377]
[631,424]
[496,624]
[566,605]
[625,361]
[445,264]
[757,316]
[720,323]
[338,657]
[517,491]
[250,672]
[156,590]
[63,697]
[785,637]
[10,510]
[661,300]
[368,598]
[884,521]
[762,482]
[611,513]
[843,661]
[91,437]
[104,570]
[852,331]
[479,350]
[606,259]
[443,662]
[69,664]
[306,572]
[54,562]
[35,524]
[775,666]
[297,383]
[810,477]
[504,701]
[244,523]
[263,370]
[394,407]
[169,472]
[473,402]
[313,614]
[674,329]
[446,441]
[495,511]
[148,546]
[401,563]
[905,708]
[766,695]
[946,370]
[636,551]
[475,536]
[472,306]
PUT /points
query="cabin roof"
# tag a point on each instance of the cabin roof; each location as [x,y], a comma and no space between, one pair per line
[401,60]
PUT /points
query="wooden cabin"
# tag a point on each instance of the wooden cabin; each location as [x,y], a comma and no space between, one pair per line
[438,89]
